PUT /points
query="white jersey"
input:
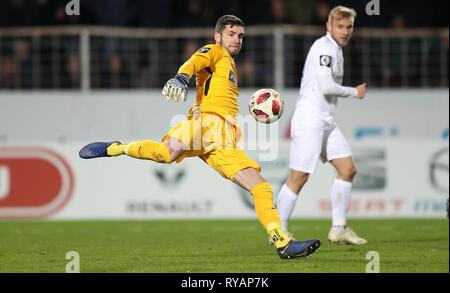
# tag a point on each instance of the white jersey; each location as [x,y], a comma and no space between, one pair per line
[322,84]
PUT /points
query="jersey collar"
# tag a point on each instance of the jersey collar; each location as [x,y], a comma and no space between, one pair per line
[329,37]
[226,51]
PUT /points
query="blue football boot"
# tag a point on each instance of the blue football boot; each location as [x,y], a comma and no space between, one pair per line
[297,248]
[96,150]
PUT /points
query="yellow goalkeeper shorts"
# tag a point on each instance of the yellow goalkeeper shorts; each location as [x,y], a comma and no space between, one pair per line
[213,139]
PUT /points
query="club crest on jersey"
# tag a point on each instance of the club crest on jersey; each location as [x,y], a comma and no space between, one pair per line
[325,60]
[204,50]
[232,77]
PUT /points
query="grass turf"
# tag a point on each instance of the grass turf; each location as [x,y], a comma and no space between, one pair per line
[216,246]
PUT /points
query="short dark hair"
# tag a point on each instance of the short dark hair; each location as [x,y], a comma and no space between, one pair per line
[226,20]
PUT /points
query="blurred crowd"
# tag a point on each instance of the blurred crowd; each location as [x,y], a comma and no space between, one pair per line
[27,62]
[199,13]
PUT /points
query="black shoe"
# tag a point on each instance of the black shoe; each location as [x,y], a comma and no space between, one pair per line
[297,248]
[96,150]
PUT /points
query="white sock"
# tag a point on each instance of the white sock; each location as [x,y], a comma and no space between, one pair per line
[285,205]
[340,199]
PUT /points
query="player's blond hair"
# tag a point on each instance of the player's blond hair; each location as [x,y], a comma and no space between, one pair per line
[340,12]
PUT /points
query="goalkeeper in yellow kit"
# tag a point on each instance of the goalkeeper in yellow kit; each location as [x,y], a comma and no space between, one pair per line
[210,130]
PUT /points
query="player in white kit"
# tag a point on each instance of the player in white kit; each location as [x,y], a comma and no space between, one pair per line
[314,132]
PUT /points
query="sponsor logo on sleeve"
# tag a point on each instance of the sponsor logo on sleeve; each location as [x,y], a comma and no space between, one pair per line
[232,77]
[325,60]
[204,50]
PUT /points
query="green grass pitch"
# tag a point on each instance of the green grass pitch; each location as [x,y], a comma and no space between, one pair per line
[216,246]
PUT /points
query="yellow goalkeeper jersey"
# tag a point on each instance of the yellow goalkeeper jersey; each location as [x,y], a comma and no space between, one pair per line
[216,80]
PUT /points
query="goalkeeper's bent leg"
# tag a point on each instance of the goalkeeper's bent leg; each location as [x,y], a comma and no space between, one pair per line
[268,214]
[146,150]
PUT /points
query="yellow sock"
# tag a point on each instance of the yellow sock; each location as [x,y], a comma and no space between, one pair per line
[147,150]
[116,149]
[277,235]
[268,214]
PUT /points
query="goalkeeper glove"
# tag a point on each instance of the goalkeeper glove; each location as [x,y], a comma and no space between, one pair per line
[176,89]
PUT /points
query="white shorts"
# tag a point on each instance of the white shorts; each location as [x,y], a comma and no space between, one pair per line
[309,144]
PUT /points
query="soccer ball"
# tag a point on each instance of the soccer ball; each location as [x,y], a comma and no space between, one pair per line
[266,106]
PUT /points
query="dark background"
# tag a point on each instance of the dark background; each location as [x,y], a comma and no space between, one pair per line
[198,13]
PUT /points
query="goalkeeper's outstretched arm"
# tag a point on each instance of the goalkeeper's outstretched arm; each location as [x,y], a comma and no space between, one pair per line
[176,88]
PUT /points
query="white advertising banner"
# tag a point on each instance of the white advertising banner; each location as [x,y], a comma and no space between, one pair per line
[399,141]
[395,179]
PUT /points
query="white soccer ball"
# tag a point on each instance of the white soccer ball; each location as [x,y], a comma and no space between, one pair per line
[266,106]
